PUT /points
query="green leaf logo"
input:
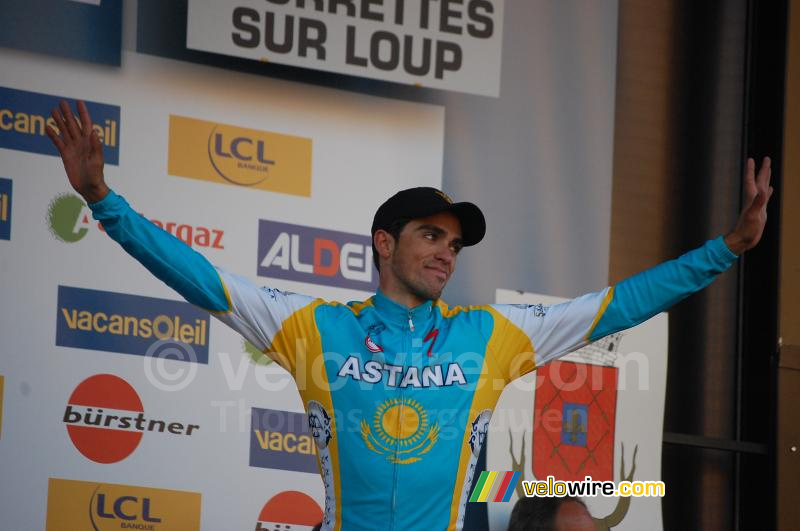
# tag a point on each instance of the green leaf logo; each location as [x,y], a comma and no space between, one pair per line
[68,218]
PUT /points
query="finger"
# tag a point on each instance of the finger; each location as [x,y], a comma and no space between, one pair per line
[69,120]
[97,146]
[750,187]
[86,120]
[62,128]
[764,173]
[53,135]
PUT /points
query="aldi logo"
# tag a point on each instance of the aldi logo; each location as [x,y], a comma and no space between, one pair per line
[578,440]
[106,506]
[130,324]
[316,256]
[289,510]
[6,187]
[282,440]
[105,419]
[229,154]
[24,116]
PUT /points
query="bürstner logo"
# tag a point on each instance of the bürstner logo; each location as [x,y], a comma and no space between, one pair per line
[69,220]
[24,116]
[130,324]
[105,419]
[235,155]
[105,506]
[289,510]
[317,256]
[282,440]
[6,187]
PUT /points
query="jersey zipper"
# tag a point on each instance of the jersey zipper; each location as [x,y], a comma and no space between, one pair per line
[407,342]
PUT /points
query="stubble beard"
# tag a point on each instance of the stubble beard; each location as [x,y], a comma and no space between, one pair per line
[418,289]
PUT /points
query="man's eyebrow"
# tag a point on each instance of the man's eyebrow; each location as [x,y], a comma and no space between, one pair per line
[434,228]
[439,231]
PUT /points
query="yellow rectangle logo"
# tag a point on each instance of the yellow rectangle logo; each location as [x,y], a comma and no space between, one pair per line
[228,154]
[105,506]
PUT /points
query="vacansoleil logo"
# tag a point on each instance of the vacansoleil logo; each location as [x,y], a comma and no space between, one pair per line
[69,219]
[131,324]
[243,157]
[105,419]
[6,187]
[106,506]
[24,116]
[289,510]
[282,440]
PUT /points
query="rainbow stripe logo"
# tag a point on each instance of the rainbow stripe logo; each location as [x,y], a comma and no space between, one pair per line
[495,486]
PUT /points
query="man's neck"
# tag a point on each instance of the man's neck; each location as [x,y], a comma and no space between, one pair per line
[401,296]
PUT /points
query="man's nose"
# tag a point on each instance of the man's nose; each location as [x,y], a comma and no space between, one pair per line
[446,254]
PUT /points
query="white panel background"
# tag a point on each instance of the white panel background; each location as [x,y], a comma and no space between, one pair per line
[639,419]
[364,149]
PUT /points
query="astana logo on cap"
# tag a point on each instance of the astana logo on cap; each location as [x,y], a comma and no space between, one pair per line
[444,196]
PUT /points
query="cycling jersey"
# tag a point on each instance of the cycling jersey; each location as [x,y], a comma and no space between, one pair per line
[399,399]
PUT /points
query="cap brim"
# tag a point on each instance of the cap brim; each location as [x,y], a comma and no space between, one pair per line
[473,224]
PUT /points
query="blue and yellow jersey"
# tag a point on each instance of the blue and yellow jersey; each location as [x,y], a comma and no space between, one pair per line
[399,399]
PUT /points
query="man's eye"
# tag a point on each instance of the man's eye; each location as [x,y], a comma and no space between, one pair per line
[430,236]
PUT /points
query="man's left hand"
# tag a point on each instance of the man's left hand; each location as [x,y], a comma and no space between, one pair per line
[750,225]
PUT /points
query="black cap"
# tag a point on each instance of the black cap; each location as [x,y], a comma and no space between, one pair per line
[425,201]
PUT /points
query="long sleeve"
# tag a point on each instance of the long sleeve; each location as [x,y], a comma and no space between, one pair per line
[165,256]
[559,329]
[270,319]
[641,296]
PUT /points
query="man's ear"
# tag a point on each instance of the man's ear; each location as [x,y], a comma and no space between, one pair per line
[384,243]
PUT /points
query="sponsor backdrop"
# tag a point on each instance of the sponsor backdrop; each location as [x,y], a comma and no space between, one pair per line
[596,412]
[272,180]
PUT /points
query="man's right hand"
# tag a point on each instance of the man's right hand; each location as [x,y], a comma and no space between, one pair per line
[80,150]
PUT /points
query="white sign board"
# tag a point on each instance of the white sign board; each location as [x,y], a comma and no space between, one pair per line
[625,405]
[447,44]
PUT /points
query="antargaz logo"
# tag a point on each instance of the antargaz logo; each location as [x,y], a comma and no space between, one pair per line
[317,256]
[130,324]
[105,506]
[25,115]
[105,419]
[289,510]
[69,219]
[6,187]
[235,155]
[282,440]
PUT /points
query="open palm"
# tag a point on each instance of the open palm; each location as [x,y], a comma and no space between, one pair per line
[80,150]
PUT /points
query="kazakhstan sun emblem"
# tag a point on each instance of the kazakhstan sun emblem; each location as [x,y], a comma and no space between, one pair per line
[400,431]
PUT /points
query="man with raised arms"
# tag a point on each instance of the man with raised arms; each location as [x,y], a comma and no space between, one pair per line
[399,389]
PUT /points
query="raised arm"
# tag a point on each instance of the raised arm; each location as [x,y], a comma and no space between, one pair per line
[562,328]
[268,318]
[172,261]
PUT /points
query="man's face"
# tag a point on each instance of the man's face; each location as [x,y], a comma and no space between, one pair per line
[573,516]
[424,255]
